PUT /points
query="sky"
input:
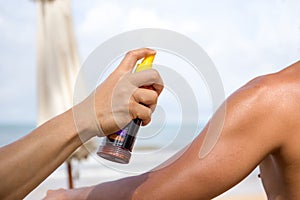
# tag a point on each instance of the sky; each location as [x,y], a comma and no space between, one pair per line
[244,39]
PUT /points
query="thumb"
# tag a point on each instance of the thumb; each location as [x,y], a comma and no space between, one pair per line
[132,57]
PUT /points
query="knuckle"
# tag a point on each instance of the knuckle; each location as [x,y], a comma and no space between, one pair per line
[155,74]
[131,104]
[155,77]
[131,53]
[148,113]
[154,94]
[144,114]
[154,97]
[145,122]
[49,192]
[142,99]
[153,107]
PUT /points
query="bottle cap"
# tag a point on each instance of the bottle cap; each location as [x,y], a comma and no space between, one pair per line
[145,64]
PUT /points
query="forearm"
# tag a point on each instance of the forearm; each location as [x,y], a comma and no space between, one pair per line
[28,161]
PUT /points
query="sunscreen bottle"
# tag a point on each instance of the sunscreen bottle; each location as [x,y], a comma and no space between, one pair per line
[117,147]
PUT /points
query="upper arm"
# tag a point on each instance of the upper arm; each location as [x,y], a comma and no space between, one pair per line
[249,132]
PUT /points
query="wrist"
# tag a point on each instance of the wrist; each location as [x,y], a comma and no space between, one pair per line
[85,120]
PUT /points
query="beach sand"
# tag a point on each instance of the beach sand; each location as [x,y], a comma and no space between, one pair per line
[243,197]
[94,171]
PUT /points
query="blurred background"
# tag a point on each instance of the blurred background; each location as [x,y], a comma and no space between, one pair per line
[243,38]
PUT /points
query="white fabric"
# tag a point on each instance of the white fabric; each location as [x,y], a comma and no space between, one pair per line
[57,58]
[57,63]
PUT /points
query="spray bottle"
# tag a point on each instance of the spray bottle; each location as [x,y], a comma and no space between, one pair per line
[117,147]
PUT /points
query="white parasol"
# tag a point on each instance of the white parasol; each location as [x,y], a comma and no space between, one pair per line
[57,64]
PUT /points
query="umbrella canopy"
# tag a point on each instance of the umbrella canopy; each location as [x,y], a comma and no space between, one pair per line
[57,58]
[57,65]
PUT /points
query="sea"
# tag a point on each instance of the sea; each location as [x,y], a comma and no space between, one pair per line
[12,132]
[150,136]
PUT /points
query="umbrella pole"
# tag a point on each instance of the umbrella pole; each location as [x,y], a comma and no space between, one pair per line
[70,176]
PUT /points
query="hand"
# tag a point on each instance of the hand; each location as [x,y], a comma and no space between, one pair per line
[73,194]
[60,194]
[119,99]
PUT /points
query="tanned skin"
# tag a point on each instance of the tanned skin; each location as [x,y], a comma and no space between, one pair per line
[261,128]
[26,162]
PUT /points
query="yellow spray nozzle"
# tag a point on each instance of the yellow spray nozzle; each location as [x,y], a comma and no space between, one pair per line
[145,64]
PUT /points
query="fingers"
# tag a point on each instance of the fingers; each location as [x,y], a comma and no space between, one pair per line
[149,77]
[132,57]
[144,104]
[122,98]
[55,194]
[140,111]
[144,78]
[146,97]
